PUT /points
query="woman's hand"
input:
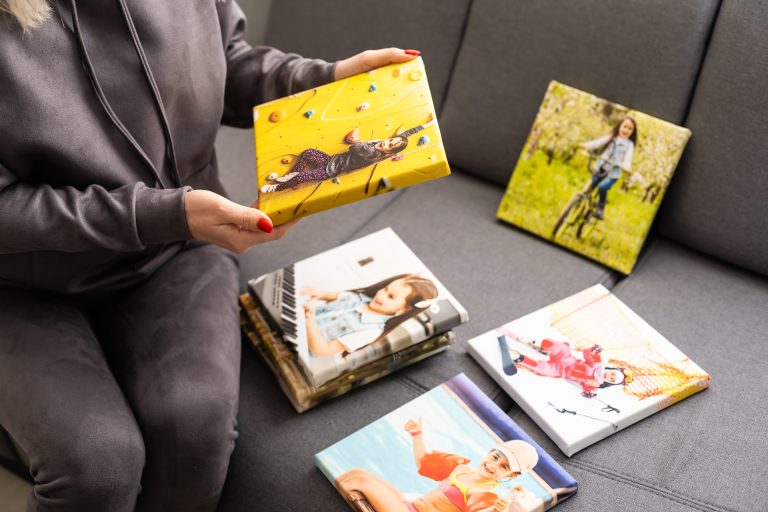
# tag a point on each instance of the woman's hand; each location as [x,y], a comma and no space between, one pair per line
[372,59]
[217,220]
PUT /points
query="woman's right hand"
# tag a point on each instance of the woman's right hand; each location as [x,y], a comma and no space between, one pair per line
[217,220]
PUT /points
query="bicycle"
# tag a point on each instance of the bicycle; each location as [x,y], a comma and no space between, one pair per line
[580,211]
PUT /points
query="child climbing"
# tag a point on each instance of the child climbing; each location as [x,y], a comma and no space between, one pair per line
[316,165]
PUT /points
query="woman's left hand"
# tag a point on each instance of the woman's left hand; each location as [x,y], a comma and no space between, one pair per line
[372,59]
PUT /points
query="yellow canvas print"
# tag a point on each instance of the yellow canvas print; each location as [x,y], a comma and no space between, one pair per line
[347,141]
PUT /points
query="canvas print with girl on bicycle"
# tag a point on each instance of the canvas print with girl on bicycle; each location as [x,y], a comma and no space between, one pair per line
[592,175]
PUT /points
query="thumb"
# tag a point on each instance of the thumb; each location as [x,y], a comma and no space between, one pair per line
[250,219]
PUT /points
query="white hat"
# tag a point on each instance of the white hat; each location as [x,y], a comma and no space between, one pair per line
[522,456]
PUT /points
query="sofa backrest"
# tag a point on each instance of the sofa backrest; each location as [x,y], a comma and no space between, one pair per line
[718,200]
[336,29]
[644,55]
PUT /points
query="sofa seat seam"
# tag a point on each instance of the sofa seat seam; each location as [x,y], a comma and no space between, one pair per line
[653,488]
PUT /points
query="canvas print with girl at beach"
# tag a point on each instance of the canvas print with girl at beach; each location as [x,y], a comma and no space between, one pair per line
[592,175]
[451,449]
[346,141]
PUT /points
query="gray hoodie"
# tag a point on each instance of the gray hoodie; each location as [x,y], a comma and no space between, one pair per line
[92,190]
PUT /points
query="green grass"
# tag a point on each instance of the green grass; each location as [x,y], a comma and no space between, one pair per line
[539,192]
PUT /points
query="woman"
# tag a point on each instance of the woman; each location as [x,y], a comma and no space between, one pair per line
[119,348]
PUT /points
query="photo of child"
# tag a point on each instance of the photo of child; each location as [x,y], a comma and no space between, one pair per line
[349,320]
[461,487]
[316,165]
[616,151]
[483,462]
[589,373]
[563,187]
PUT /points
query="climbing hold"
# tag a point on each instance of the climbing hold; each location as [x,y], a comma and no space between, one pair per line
[336,180]
[309,113]
[363,106]
[285,160]
[372,88]
[415,75]
[422,140]
[396,72]
[353,137]
[272,176]
[276,116]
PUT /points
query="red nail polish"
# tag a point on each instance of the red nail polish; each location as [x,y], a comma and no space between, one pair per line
[265,225]
[413,52]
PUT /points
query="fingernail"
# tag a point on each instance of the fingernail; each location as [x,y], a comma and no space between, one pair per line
[413,52]
[265,225]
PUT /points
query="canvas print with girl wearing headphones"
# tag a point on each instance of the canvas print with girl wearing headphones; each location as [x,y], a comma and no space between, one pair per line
[359,302]
[346,141]
[451,449]
[592,175]
[586,367]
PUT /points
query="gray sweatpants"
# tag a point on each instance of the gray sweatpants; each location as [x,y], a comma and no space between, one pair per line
[129,403]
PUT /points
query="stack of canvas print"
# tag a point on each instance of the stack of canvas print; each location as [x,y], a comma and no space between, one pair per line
[349,315]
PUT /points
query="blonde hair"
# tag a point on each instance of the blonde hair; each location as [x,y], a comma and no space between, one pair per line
[29,13]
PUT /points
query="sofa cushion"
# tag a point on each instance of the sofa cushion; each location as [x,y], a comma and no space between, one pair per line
[496,271]
[717,201]
[644,55]
[312,235]
[709,450]
[336,29]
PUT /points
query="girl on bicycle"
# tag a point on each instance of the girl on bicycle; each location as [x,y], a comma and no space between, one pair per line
[350,320]
[615,151]
[461,488]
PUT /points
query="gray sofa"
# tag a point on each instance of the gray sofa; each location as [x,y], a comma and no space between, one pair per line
[701,279]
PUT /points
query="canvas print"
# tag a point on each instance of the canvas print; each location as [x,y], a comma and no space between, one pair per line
[304,395]
[346,141]
[356,303]
[586,367]
[592,175]
[451,449]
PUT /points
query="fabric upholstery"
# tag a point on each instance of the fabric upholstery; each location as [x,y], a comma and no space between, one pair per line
[717,200]
[644,55]
[336,29]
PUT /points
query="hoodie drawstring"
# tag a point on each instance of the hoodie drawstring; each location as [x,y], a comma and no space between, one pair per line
[74,25]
